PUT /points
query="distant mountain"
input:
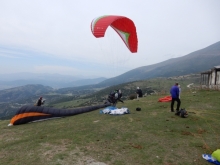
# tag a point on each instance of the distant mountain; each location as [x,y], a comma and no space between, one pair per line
[29,93]
[194,62]
[23,92]
[53,80]
[83,82]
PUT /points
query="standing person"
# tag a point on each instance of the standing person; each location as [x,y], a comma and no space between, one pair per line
[115,96]
[174,91]
[40,101]
[139,92]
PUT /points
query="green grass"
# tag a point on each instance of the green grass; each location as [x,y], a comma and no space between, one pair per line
[151,136]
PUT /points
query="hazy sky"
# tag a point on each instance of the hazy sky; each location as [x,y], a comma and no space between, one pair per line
[54,36]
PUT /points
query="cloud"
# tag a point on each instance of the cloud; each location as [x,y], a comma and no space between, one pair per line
[57,33]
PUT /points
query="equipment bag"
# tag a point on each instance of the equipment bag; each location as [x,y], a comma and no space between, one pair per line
[182,113]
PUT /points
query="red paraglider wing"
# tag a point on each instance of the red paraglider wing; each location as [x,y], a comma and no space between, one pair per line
[122,25]
[165,99]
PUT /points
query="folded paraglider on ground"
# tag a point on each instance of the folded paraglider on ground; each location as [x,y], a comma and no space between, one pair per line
[112,110]
[165,99]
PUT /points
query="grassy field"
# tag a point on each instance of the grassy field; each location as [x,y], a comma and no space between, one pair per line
[151,136]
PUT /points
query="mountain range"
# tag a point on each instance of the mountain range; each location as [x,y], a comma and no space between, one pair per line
[195,62]
[192,63]
[53,80]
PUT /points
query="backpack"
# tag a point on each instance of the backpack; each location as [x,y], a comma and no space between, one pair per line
[111,96]
[139,92]
[112,93]
[182,113]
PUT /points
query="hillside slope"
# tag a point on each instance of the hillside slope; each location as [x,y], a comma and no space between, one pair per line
[151,136]
[194,62]
[22,92]
[13,99]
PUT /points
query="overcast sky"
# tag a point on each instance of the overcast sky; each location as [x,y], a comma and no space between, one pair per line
[54,36]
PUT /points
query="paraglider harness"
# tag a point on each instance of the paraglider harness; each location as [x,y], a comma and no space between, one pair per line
[113,98]
[182,113]
[39,102]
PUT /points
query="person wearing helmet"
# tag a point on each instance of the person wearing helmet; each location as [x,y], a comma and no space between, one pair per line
[139,92]
[115,96]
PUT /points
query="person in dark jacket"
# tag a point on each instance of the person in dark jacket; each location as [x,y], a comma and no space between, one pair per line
[40,101]
[115,96]
[139,92]
[174,91]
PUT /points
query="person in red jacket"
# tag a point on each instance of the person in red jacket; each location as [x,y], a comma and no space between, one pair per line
[175,94]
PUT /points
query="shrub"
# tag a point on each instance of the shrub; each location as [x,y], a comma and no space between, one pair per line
[132,96]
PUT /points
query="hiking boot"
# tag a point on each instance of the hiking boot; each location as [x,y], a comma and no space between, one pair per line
[172,111]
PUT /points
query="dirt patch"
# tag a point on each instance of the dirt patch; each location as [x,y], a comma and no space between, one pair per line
[137,119]
[60,154]
[97,163]
[206,147]
[186,133]
[201,131]
[130,119]
[50,150]
[137,146]
[154,113]
[9,136]
[3,154]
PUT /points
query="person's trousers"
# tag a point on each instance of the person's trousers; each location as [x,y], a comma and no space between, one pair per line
[178,104]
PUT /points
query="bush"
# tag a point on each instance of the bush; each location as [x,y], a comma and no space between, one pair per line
[132,96]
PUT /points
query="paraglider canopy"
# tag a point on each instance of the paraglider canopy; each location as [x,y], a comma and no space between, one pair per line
[165,99]
[124,26]
[31,113]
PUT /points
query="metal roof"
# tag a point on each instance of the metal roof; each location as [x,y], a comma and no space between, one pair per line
[217,67]
[209,71]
